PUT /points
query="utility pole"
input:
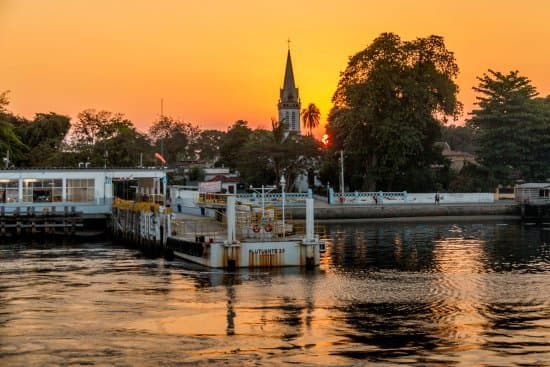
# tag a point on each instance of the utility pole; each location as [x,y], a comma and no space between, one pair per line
[161,118]
[342,172]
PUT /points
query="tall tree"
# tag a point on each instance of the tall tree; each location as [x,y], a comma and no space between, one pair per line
[511,127]
[209,143]
[92,129]
[9,141]
[127,148]
[311,117]
[460,138]
[93,126]
[267,155]
[174,139]
[389,106]
[231,148]
[44,139]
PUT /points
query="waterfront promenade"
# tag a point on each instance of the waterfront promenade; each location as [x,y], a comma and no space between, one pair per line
[324,211]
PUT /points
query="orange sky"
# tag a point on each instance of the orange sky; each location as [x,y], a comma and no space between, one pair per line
[214,62]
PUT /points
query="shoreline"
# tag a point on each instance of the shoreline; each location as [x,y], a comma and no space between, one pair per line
[427,219]
[413,212]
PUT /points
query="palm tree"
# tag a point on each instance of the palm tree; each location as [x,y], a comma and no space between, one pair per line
[310,117]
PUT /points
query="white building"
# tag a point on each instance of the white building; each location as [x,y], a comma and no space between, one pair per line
[90,190]
[533,193]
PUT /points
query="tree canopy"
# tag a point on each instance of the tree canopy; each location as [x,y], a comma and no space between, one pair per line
[44,139]
[268,155]
[311,117]
[389,106]
[511,127]
[174,139]
[9,141]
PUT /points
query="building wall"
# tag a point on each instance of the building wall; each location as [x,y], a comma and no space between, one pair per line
[60,179]
[290,116]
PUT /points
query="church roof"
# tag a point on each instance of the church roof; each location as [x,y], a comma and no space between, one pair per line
[223,179]
[289,92]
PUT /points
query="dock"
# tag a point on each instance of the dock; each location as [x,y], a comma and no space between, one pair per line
[48,221]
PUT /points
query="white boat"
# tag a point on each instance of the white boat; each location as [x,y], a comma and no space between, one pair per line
[246,242]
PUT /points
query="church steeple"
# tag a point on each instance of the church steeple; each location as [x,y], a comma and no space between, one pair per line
[289,87]
[289,99]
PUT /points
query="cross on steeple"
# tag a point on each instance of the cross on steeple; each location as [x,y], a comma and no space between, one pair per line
[288,41]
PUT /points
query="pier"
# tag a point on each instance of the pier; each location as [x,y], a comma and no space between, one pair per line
[47,221]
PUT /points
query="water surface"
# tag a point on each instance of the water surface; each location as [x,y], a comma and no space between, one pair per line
[397,294]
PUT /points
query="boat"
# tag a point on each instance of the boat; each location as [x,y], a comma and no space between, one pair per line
[251,238]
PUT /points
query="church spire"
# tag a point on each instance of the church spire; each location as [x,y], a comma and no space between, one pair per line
[289,99]
[289,85]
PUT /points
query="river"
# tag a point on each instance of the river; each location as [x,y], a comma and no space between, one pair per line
[408,294]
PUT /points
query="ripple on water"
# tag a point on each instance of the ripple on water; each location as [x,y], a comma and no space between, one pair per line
[399,294]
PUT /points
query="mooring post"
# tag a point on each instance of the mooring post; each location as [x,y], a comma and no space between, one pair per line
[230,216]
[310,215]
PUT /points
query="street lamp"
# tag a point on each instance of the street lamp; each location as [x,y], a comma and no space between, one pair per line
[283,183]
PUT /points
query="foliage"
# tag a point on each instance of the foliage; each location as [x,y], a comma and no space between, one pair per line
[44,139]
[9,141]
[311,117]
[268,155]
[231,148]
[209,143]
[4,101]
[511,127]
[196,174]
[174,139]
[460,138]
[472,178]
[94,126]
[389,105]
[127,148]
[91,131]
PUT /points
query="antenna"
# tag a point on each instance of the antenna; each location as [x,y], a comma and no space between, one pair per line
[161,107]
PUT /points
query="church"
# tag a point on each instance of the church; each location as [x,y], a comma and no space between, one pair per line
[289,100]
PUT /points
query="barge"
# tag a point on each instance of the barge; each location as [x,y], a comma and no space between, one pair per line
[251,239]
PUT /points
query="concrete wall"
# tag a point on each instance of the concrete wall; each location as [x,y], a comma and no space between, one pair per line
[403,197]
[451,198]
[338,212]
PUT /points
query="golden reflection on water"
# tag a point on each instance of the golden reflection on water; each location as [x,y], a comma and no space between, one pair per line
[457,311]
[409,295]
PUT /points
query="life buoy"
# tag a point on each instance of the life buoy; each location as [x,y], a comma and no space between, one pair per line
[256,228]
[268,227]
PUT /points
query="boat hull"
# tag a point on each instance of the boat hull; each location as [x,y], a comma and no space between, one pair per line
[247,254]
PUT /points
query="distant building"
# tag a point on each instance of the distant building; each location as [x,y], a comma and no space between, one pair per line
[89,190]
[533,193]
[289,100]
[458,159]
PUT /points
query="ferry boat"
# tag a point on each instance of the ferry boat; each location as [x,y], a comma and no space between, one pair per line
[253,237]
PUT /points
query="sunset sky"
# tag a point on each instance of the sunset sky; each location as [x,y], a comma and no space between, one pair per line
[214,62]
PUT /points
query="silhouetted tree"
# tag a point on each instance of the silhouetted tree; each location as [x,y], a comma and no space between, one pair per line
[311,117]
[389,106]
[511,127]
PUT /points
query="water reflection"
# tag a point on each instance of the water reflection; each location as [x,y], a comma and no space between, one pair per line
[410,294]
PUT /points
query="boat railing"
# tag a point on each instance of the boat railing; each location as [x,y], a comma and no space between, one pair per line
[208,230]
